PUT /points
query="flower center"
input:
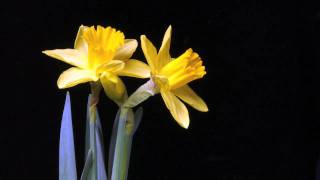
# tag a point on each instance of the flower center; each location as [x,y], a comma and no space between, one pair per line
[102,44]
[161,81]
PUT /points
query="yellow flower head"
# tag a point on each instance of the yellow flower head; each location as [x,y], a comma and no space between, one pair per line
[100,54]
[171,76]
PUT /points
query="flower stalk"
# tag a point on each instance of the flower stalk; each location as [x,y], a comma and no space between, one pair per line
[125,126]
[93,101]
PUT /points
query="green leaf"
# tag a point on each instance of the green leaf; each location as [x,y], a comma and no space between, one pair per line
[94,145]
[125,125]
[87,136]
[119,159]
[101,168]
[128,141]
[67,162]
[87,170]
[113,142]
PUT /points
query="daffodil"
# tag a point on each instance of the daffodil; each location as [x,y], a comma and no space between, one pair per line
[100,54]
[171,76]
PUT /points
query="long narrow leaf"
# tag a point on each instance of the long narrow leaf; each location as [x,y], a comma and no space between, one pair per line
[101,168]
[113,143]
[67,162]
[98,124]
[126,156]
[90,168]
[121,139]
[94,145]
[121,142]
[87,170]
[87,137]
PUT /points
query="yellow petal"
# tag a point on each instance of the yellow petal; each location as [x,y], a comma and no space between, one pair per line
[177,108]
[135,68]
[189,96]
[70,56]
[149,51]
[75,76]
[111,66]
[164,54]
[113,87]
[80,44]
[125,52]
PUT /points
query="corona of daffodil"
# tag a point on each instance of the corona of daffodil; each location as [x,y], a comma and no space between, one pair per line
[100,54]
[171,76]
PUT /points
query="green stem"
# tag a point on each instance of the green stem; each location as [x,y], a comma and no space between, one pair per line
[124,129]
[93,175]
[122,146]
[95,91]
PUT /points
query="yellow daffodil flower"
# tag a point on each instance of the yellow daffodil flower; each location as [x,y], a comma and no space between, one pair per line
[171,76]
[100,54]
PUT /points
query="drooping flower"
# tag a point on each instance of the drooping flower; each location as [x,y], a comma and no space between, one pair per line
[171,76]
[100,54]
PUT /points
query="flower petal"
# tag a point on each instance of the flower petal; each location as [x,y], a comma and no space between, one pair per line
[135,68]
[80,44]
[70,56]
[164,54]
[75,76]
[111,66]
[177,108]
[149,51]
[125,52]
[186,94]
[113,87]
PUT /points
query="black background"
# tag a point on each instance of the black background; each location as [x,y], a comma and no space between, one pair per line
[261,60]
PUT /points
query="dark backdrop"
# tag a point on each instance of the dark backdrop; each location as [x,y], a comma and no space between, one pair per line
[261,60]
